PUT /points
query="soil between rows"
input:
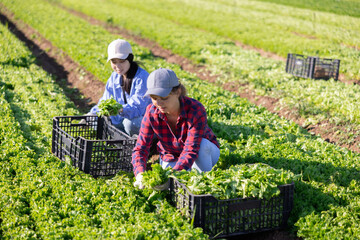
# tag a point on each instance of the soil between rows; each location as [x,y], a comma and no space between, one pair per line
[85,90]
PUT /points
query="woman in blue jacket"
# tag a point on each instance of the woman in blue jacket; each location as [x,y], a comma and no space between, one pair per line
[127,85]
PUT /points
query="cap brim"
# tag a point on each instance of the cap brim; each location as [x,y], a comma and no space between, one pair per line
[118,56]
[162,92]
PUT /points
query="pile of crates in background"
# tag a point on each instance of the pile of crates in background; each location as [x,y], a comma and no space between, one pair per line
[312,67]
[233,217]
[92,144]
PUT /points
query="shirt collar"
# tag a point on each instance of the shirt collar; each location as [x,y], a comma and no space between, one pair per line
[118,80]
[182,108]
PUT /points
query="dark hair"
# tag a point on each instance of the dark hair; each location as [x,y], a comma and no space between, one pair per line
[182,88]
[130,73]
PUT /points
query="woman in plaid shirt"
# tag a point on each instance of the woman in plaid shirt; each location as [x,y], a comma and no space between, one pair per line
[180,125]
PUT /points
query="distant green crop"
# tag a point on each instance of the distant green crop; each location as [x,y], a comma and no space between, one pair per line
[109,107]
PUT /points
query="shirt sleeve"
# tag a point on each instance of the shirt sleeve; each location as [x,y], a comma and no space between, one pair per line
[197,122]
[108,92]
[141,150]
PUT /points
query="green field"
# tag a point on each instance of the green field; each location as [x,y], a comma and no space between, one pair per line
[44,198]
[344,7]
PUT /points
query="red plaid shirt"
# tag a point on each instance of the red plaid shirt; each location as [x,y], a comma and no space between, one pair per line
[182,146]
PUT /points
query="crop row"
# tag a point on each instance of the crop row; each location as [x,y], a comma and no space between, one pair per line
[275,28]
[42,197]
[316,101]
[344,7]
[323,198]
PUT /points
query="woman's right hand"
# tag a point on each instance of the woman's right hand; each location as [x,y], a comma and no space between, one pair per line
[138,183]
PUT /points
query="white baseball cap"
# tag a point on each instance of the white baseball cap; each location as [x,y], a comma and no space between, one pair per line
[119,49]
[160,82]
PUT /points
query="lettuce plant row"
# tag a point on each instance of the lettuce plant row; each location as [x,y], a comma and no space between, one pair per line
[44,198]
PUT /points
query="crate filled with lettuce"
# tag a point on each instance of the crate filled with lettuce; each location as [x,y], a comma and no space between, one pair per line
[246,198]
[91,143]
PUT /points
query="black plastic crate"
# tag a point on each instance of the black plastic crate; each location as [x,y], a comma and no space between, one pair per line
[312,67]
[227,218]
[94,146]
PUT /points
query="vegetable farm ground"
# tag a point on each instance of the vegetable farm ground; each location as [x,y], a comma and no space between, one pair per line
[84,83]
[84,96]
[84,89]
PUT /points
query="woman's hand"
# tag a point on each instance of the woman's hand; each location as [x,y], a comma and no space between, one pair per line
[138,183]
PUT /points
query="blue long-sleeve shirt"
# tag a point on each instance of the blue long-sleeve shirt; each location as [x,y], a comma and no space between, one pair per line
[136,102]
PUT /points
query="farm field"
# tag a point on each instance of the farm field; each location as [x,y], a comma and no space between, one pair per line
[323,107]
[44,198]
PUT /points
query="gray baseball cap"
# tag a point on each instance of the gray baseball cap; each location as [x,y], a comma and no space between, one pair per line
[160,82]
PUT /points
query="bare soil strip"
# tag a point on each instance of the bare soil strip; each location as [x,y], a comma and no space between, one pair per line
[66,70]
